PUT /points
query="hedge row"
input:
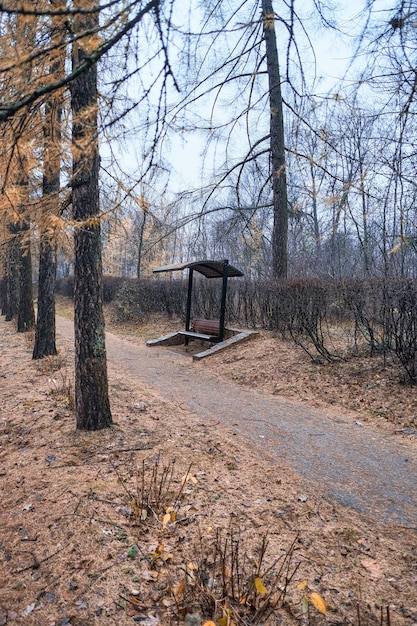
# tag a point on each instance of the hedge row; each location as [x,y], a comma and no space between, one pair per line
[381,314]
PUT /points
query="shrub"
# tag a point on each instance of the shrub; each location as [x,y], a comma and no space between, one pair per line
[383,313]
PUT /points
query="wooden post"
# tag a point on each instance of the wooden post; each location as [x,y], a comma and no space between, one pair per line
[188,311]
[223,301]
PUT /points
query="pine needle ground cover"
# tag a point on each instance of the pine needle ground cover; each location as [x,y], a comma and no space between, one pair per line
[164,519]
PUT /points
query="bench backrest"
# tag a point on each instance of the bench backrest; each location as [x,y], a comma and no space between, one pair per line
[207,327]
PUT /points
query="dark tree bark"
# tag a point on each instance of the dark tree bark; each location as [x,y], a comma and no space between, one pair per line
[12,278]
[26,312]
[45,335]
[91,383]
[279,179]
[3,291]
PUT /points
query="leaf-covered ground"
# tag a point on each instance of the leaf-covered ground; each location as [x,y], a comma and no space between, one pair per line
[371,386]
[163,519]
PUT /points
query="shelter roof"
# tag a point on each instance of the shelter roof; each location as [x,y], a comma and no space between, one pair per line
[209,269]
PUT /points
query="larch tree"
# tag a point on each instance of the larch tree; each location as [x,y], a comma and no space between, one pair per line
[18,144]
[25,33]
[91,383]
[11,275]
[91,38]
[45,333]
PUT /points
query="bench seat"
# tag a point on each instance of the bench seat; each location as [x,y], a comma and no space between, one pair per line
[194,335]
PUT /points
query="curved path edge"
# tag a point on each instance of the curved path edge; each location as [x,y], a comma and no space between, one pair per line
[360,466]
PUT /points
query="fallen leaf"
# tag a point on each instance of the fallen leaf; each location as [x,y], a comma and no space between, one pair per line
[150,620]
[260,587]
[166,519]
[226,619]
[179,591]
[318,602]
[189,477]
[304,605]
[158,552]
[302,585]
[135,508]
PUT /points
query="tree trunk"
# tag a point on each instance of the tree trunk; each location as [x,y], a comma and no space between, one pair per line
[279,179]
[91,384]
[26,312]
[3,289]
[316,226]
[140,243]
[45,335]
[12,278]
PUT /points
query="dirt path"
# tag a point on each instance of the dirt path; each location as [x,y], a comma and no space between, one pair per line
[358,465]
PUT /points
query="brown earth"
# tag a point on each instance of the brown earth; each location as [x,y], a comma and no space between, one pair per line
[80,547]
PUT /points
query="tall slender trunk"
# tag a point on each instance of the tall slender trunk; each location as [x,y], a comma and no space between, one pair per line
[26,27]
[91,383]
[140,243]
[316,226]
[12,276]
[45,335]
[279,179]
[26,311]
[365,238]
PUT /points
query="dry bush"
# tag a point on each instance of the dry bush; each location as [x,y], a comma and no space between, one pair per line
[236,584]
[52,363]
[62,388]
[157,491]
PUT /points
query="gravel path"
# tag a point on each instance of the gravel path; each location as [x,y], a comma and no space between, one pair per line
[360,466]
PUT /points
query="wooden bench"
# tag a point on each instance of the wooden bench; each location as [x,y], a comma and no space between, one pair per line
[209,327]
[208,330]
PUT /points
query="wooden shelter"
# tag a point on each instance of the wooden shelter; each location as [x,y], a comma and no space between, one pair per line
[210,330]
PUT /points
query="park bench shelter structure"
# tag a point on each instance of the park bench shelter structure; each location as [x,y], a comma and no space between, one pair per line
[210,330]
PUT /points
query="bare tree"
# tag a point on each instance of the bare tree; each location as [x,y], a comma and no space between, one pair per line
[240,90]
[277,146]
